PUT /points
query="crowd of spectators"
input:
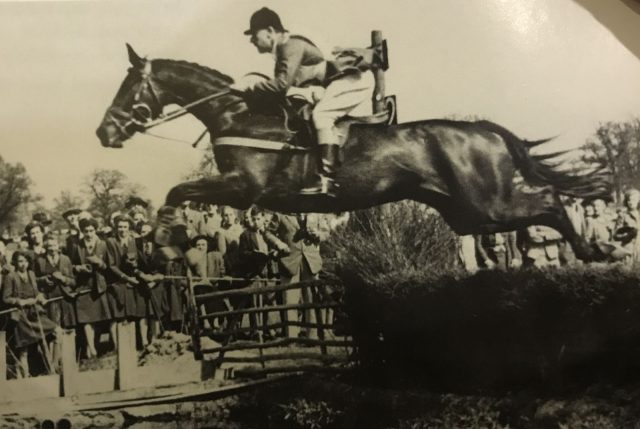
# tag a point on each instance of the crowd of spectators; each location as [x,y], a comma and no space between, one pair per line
[610,229]
[92,275]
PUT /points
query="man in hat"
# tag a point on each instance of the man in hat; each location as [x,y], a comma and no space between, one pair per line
[72,217]
[43,219]
[135,203]
[302,70]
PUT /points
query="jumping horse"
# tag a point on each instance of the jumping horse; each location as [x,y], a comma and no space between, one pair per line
[478,175]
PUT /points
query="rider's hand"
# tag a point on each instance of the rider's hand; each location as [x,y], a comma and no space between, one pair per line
[239,88]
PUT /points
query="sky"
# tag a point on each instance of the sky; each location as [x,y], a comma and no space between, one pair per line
[540,68]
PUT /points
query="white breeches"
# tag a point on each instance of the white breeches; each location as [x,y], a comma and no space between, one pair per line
[350,95]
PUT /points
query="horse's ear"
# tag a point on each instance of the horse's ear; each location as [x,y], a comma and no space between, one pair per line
[134,58]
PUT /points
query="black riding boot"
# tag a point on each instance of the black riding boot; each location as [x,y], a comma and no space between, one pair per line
[325,183]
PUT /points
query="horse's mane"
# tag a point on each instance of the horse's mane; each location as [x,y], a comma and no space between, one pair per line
[197,68]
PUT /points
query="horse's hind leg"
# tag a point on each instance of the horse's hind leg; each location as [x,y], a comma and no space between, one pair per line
[543,207]
[559,220]
[228,189]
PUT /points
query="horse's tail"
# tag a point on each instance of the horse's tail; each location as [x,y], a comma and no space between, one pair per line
[594,183]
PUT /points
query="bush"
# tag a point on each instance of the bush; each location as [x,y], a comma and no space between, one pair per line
[498,328]
[394,242]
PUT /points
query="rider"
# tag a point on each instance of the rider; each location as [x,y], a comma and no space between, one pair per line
[336,90]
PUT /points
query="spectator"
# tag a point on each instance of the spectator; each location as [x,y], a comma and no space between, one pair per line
[228,238]
[137,204]
[54,274]
[254,255]
[89,259]
[43,219]
[125,302]
[541,244]
[176,266]
[498,250]
[192,219]
[72,216]
[211,222]
[153,294]
[204,266]
[35,235]
[302,234]
[627,226]
[139,218]
[598,227]
[30,325]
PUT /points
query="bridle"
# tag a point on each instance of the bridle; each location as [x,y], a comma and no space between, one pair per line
[140,117]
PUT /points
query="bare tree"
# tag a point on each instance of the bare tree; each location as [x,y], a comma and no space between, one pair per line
[616,145]
[107,191]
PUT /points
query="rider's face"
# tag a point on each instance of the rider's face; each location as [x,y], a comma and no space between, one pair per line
[263,40]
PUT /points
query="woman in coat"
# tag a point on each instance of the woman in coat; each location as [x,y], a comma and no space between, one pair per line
[29,325]
[89,258]
[125,300]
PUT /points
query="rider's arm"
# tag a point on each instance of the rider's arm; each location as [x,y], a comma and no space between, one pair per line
[288,60]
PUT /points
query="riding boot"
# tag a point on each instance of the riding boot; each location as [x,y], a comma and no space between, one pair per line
[325,180]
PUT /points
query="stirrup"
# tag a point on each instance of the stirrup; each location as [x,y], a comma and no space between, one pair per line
[324,186]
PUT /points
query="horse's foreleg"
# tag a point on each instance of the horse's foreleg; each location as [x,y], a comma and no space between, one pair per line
[227,189]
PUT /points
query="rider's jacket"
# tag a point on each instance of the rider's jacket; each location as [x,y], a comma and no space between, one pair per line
[298,63]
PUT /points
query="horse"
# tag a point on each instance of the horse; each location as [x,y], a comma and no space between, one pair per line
[479,176]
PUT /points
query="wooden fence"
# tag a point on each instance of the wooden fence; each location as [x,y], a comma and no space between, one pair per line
[224,359]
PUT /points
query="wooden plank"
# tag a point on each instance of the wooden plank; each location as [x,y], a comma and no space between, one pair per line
[278,343]
[70,370]
[285,356]
[100,381]
[127,355]
[29,389]
[259,372]
[165,375]
[254,290]
[3,357]
[270,309]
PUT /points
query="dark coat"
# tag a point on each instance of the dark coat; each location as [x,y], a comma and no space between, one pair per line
[93,306]
[62,312]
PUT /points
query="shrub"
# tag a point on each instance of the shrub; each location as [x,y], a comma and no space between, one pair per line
[389,243]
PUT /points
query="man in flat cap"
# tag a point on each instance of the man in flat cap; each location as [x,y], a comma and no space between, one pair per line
[301,69]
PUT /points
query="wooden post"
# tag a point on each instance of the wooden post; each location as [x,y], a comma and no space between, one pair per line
[3,356]
[69,365]
[378,73]
[127,355]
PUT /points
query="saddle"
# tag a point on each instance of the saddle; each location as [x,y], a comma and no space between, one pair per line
[298,132]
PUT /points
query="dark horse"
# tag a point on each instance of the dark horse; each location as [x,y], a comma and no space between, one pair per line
[478,175]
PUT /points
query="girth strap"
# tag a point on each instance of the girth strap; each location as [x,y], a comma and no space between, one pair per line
[257,144]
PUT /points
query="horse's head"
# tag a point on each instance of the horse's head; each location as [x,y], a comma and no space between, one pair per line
[136,103]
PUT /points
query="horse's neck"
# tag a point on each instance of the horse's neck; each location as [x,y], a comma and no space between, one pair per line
[184,83]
